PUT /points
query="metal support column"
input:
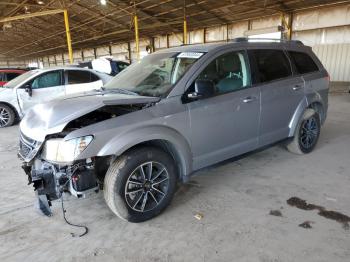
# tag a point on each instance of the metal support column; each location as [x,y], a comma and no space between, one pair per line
[185,25]
[137,40]
[69,40]
[287,25]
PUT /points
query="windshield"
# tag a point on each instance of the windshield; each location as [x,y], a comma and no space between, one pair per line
[154,75]
[20,79]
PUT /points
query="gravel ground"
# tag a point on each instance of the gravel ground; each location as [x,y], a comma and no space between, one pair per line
[235,199]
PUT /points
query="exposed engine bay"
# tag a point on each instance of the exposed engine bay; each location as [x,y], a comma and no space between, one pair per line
[103,113]
[51,179]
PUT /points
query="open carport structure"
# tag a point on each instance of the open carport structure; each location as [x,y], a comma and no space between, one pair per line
[268,205]
[34,31]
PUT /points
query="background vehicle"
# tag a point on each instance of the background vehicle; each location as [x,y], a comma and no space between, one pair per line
[105,65]
[175,112]
[8,74]
[43,85]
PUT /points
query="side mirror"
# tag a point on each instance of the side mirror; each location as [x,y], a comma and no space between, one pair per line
[28,89]
[202,88]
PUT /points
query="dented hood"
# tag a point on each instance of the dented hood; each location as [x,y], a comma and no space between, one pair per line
[52,117]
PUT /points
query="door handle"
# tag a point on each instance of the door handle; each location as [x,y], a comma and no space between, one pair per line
[249,99]
[297,87]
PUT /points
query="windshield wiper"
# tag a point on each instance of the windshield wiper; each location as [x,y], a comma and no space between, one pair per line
[120,91]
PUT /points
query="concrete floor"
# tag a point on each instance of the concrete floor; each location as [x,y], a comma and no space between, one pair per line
[235,199]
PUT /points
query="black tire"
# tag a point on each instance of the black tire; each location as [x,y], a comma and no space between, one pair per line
[7,116]
[126,172]
[299,145]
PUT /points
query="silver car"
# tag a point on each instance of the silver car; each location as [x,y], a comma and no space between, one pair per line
[42,85]
[175,112]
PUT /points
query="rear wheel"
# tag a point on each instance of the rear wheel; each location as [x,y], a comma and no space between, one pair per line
[7,116]
[306,134]
[140,184]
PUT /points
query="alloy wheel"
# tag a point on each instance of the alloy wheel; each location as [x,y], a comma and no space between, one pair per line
[4,117]
[147,186]
[309,133]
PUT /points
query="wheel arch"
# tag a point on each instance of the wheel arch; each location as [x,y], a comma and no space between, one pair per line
[315,104]
[168,148]
[13,108]
[318,107]
[168,139]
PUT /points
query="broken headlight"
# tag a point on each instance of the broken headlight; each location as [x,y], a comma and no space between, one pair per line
[58,150]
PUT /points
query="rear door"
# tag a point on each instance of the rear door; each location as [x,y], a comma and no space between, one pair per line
[281,92]
[81,81]
[316,80]
[45,87]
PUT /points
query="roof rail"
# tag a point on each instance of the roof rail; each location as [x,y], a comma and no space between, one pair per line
[246,39]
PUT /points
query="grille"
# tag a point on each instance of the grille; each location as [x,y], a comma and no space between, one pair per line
[27,139]
[28,148]
[24,150]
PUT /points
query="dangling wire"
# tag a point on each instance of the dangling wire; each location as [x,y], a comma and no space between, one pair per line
[64,214]
[71,224]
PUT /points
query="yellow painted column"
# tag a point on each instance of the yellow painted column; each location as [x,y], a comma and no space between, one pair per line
[69,40]
[185,31]
[137,40]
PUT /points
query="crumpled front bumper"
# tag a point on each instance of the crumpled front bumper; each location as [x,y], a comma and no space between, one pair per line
[51,180]
[46,186]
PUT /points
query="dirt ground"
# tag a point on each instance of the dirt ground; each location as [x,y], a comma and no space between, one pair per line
[235,199]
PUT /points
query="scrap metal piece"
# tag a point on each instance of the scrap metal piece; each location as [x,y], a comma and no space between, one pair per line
[42,204]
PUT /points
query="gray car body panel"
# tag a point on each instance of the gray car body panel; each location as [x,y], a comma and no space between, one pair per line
[199,131]
[40,125]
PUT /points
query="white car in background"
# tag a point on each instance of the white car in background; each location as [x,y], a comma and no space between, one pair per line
[42,85]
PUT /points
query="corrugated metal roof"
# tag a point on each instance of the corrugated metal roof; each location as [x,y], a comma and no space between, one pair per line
[93,24]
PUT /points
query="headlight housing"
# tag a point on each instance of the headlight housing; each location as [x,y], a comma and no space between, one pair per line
[58,150]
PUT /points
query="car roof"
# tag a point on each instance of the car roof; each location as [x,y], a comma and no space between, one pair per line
[244,44]
[47,69]
[12,70]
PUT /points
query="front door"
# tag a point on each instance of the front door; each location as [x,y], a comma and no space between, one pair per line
[45,87]
[226,124]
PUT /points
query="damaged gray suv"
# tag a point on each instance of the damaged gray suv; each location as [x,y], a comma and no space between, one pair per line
[175,112]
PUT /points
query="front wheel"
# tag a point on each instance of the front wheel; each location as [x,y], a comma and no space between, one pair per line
[7,116]
[140,184]
[306,134]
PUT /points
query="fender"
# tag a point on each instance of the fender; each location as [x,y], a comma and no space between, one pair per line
[119,144]
[8,96]
[303,105]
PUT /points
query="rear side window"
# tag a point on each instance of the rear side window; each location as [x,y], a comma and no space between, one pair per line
[303,62]
[11,76]
[122,66]
[94,78]
[271,65]
[79,77]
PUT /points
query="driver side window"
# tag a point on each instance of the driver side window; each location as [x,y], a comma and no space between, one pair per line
[228,72]
[47,80]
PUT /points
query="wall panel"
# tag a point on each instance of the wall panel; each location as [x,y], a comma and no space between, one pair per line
[336,59]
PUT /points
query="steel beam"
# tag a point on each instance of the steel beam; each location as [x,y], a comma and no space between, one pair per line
[137,40]
[26,16]
[69,40]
